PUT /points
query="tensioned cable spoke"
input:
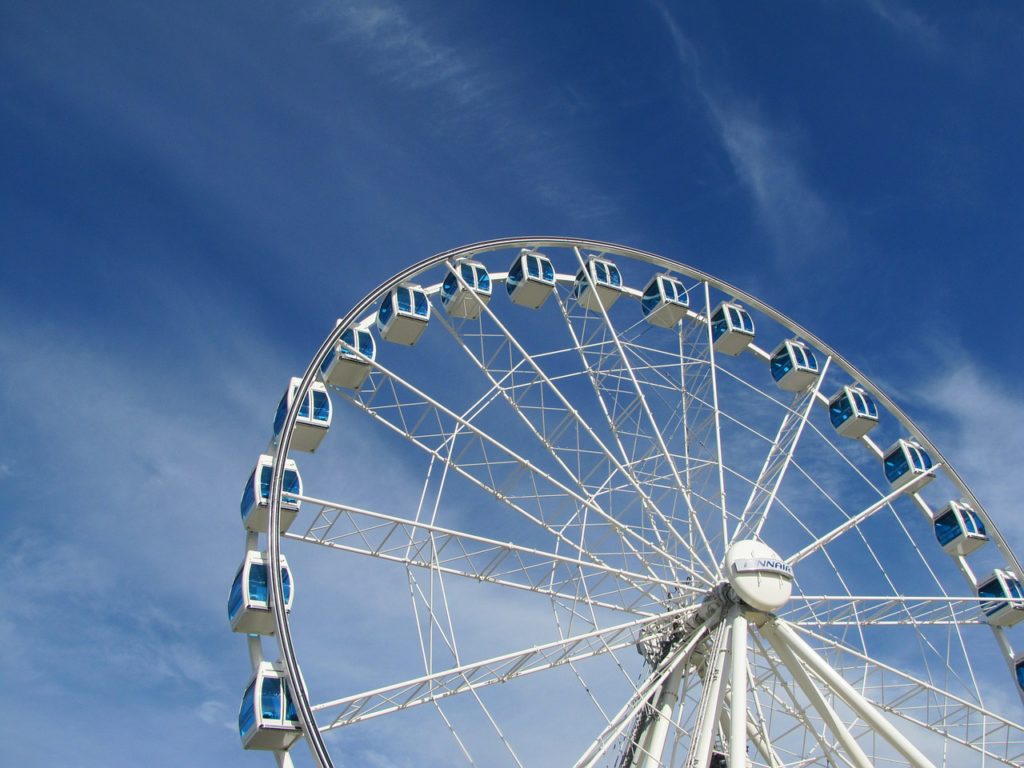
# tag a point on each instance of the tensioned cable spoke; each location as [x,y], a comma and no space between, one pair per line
[498,669]
[648,416]
[417,433]
[780,454]
[544,437]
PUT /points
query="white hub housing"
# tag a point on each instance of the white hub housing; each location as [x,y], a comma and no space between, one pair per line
[760,578]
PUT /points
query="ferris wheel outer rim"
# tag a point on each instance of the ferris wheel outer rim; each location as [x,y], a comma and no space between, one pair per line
[311,733]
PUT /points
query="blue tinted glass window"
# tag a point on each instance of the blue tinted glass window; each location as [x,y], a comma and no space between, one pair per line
[719,325]
[270,699]
[872,410]
[745,322]
[1014,588]
[366,345]
[404,302]
[421,303]
[896,465]
[384,314]
[249,494]
[579,285]
[291,485]
[922,460]
[651,298]
[781,364]
[947,528]
[290,714]
[991,588]
[321,406]
[247,712]
[303,406]
[258,583]
[348,337]
[840,410]
[483,280]
[532,267]
[1020,673]
[449,287]
[235,596]
[282,411]
[515,274]
[734,318]
[547,271]
[467,274]
[327,362]
[613,275]
[600,272]
[975,521]
[266,471]
[286,584]
[812,361]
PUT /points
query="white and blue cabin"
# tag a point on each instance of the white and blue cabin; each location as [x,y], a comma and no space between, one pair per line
[1005,604]
[906,461]
[852,412]
[664,301]
[249,602]
[531,279]
[349,363]
[959,529]
[267,718]
[732,328]
[467,297]
[314,417]
[255,508]
[794,366]
[598,284]
[403,314]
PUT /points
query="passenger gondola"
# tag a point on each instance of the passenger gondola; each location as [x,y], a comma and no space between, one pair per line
[267,718]
[349,363]
[314,417]
[1005,604]
[466,298]
[249,602]
[598,284]
[852,411]
[531,279]
[905,461]
[732,328]
[403,314]
[959,529]
[664,301]
[255,510]
[794,366]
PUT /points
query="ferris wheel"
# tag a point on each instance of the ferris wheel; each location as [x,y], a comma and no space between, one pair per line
[558,502]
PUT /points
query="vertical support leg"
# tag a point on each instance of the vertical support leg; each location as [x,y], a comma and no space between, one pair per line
[652,745]
[864,708]
[850,746]
[709,710]
[738,695]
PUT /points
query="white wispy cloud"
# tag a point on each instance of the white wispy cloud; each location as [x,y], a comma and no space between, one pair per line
[474,97]
[795,216]
[981,431]
[907,23]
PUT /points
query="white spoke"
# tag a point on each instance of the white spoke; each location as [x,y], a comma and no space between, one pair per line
[499,669]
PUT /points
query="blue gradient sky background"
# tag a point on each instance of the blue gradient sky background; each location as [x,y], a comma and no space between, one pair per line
[191,192]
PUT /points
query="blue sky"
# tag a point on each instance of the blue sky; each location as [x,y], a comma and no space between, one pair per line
[191,193]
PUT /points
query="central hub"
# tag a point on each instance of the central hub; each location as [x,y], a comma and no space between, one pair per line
[757,574]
